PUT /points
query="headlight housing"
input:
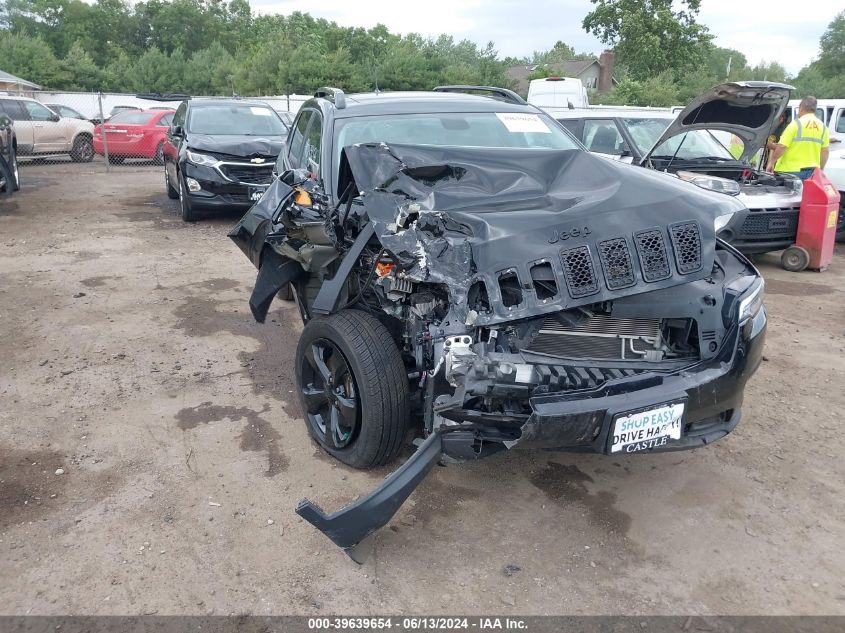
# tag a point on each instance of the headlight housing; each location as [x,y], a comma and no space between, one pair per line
[722,221]
[751,303]
[711,183]
[201,159]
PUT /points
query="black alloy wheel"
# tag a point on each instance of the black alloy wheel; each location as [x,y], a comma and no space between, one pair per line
[353,388]
[328,390]
[185,206]
[172,193]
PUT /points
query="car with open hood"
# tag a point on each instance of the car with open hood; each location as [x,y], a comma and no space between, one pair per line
[466,272]
[715,142]
[220,153]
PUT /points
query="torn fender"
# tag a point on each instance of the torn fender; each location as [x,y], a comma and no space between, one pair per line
[347,528]
[275,273]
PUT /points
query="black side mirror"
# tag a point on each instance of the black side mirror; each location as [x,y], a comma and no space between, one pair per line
[177,130]
[55,118]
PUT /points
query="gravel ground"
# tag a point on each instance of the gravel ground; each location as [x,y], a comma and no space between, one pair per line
[130,361]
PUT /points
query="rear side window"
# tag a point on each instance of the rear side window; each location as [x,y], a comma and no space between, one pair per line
[132,117]
[165,121]
[602,136]
[14,109]
[297,139]
[179,117]
[573,125]
[840,122]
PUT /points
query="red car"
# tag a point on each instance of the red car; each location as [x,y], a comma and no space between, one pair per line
[134,134]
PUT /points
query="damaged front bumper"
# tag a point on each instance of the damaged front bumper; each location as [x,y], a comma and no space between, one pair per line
[579,420]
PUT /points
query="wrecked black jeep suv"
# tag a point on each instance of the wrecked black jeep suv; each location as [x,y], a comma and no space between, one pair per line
[465,269]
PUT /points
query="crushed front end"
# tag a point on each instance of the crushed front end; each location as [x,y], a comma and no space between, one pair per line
[565,302]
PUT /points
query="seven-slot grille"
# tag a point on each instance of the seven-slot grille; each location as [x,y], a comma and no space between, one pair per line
[616,262]
[651,247]
[686,242]
[579,271]
[250,174]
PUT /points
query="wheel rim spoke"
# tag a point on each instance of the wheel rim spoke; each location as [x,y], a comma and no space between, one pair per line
[338,436]
[316,358]
[329,394]
[348,411]
[315,399]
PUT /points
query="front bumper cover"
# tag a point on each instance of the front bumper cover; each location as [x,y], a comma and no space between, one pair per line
[217,192]
[573,421]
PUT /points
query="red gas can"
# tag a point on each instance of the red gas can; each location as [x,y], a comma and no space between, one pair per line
[816,226]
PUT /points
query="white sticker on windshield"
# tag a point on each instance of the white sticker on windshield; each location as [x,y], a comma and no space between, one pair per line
[260,111]
[519,122]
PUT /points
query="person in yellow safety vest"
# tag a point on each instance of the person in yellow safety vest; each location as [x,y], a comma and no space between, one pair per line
[736,147]
[803,146]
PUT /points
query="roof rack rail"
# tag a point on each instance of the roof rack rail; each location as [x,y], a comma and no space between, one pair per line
[157,96]
[335,95]
[502,94]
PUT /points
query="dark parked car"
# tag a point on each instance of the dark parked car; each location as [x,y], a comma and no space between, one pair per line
[221,153]
[465,269]
[10,180]
[65,111]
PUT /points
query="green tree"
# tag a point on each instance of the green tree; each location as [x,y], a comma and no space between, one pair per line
[832,48]
[80,70]
[657,91]
[651,36]
[30,58]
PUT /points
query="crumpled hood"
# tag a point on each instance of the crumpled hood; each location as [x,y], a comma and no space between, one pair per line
[463,215]
[237,145]
[749,109]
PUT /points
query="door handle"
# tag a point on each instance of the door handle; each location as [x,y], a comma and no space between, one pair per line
[39,125]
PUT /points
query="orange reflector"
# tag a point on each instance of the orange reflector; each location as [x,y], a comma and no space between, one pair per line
[384,269]
[302,198]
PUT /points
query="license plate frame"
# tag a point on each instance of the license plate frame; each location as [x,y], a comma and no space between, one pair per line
[254,193]
[646,428]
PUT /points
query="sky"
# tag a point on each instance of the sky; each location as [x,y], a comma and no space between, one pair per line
[763,30]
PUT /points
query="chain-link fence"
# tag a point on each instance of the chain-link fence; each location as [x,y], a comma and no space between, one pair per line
[103,129]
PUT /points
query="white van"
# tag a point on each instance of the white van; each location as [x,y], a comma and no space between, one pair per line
[557,92]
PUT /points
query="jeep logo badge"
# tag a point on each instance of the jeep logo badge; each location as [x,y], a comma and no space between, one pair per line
[565,235]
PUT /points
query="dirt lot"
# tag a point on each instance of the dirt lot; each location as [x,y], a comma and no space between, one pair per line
[130,360]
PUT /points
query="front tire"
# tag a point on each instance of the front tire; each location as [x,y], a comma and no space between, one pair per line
[353,388]
[187,209]
[83,149]
[172,193]
[16,174]
[158,158]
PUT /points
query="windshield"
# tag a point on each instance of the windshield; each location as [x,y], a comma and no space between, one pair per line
[235,118]
[693,144]
[132,117]
[515,130]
